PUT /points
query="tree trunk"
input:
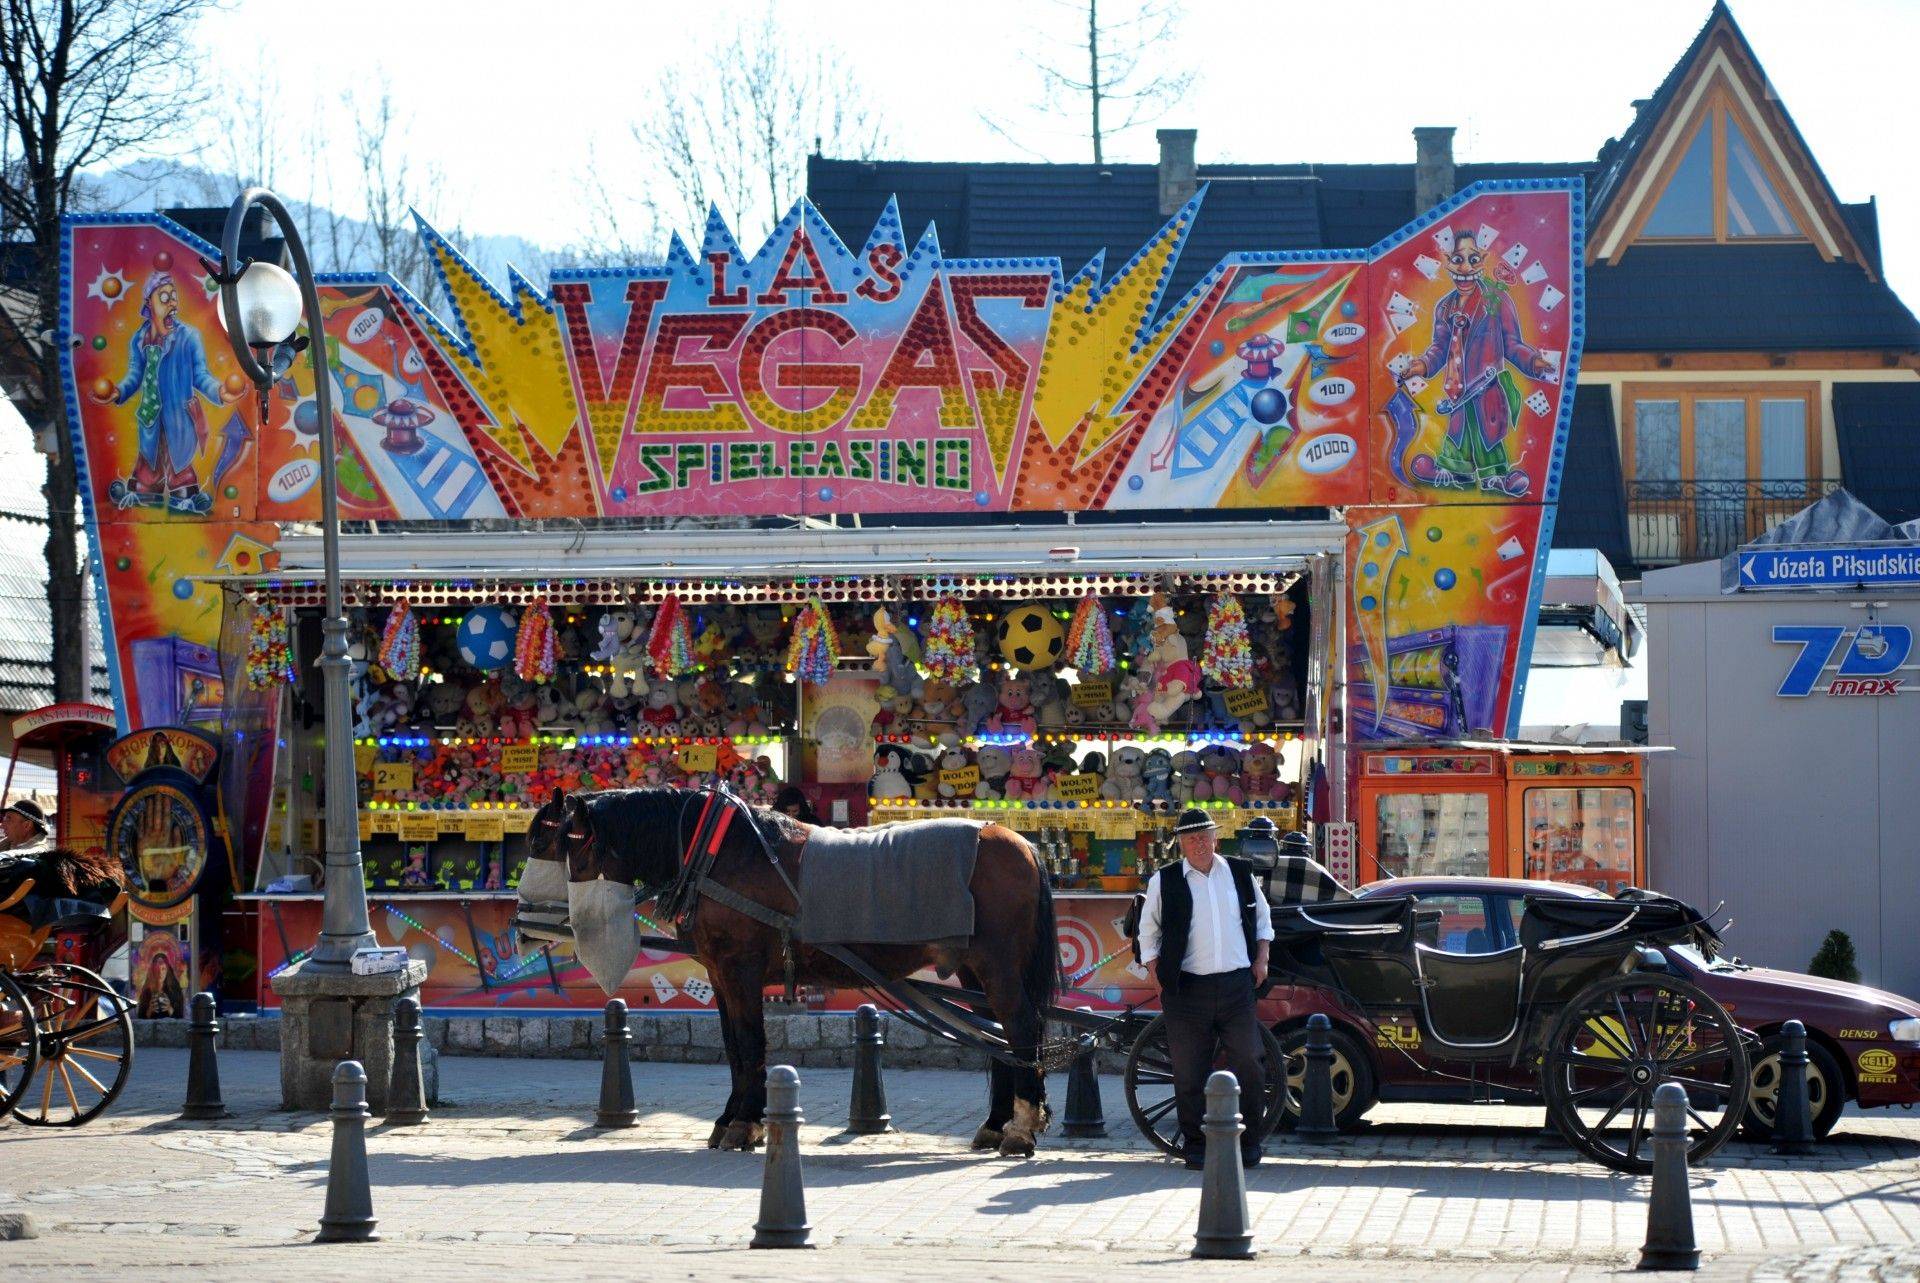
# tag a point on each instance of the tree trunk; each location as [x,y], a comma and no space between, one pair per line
[1093,78]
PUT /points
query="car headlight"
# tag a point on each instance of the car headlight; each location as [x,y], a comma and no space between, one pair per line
[1907,1030]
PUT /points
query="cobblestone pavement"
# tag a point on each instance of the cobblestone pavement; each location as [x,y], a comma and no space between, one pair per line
[508,1175]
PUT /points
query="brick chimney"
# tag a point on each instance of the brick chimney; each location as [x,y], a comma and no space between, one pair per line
[1432,166]
[1179,178]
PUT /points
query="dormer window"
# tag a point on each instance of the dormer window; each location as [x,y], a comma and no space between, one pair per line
[1720,189]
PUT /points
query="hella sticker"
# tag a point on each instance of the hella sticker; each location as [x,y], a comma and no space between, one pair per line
[1328,453]
[292,481]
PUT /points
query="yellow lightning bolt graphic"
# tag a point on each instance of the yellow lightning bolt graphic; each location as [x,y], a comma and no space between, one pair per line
[518,368]
[1094,351]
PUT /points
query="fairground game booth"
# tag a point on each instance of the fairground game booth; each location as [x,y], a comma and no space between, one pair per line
[909,535]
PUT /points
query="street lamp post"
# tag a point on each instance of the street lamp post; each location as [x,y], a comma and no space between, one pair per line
[262,306]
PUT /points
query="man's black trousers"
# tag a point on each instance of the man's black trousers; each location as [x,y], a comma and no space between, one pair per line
[1208,1015]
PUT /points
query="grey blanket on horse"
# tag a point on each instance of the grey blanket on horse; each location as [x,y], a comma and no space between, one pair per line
[900,884]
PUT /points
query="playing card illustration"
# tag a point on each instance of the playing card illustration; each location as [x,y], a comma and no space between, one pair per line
[699,990]
[1415,385]
[1444,239]
[1397,366]
[1552,357]
[1401,320]
[1550,298]
[663,990]
[1515,256]
[1538,402]
[1401,303]
[1534,273]
[1486,236]
[1426,265]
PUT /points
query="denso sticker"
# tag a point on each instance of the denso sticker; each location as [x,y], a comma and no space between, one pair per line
[1859,1035]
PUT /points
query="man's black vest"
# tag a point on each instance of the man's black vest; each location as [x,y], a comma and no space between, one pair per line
[1176,916]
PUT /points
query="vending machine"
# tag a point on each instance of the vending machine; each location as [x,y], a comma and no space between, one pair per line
[1547,812]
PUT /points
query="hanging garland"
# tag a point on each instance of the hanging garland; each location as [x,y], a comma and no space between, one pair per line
[269,654]
[812,648]
[947,652]
[1227,657]
[1090,639]
[670,643]
[400,643]
[533,645]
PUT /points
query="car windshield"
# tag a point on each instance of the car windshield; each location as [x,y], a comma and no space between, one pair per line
[1693,954]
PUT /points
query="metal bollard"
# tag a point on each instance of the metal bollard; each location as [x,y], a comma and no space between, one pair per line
[348,1217]
[616,1078]
[406,1089]
[1669,1243]
[1316,1094]
[1792,1111]
[867,1114]
[1085,1115]
[1223,1232]
[783,1194]
[203,1064]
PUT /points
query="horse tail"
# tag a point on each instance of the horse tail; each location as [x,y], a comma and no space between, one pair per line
[1040,975]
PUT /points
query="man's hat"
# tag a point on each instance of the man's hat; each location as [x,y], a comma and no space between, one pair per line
[29,810]
[1297,843]
[1260,826]
[1194,820]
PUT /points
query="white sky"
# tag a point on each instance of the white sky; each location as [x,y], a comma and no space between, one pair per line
[512,101]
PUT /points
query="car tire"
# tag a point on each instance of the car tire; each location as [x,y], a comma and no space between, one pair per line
[1353,1083]
[1826,1089]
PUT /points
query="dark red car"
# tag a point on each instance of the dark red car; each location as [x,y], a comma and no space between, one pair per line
[1863,1043]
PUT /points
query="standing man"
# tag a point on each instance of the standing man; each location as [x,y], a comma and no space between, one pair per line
[1204,933]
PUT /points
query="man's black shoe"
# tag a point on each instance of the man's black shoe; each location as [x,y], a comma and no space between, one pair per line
[1196,1159]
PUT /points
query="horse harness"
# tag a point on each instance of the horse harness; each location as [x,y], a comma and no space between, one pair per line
[695,879]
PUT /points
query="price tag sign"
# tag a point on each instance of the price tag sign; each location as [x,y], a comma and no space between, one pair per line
[1246,703]
[518,821]
[364,756]
[518,759]
[698,757]
[386,821]
[966,778]
[419,828]
[1076,788]
[486,828]
[392,777]
[1093,692]
[366,825]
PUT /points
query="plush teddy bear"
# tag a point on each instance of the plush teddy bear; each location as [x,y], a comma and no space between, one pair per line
[978,702]
[1186,776]
[1260,775]
[1220,770]
[592,712]
[1157,771]
[1014,710]
[995,764]
[661,716]
[954,758]
[1126,779]
[1176,678]
[480,709]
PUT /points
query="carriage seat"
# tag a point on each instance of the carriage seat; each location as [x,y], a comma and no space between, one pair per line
[60,913]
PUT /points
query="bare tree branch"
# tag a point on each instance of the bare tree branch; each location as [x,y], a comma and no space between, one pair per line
[1116,65]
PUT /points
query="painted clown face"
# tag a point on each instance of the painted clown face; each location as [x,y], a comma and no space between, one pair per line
[1465,260]
[163,307]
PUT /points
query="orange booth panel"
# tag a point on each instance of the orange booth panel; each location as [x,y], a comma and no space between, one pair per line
[1503,812]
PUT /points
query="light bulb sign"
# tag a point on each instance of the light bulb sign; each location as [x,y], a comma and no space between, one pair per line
[1833,659]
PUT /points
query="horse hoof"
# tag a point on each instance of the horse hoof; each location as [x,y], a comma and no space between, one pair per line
[986,1138]
[1016,1145]
[714,1137]
[743,1136]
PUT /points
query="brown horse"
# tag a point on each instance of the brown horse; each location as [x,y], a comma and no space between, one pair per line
[629,837]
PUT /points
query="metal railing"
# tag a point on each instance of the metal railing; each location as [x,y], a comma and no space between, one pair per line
[1676,521]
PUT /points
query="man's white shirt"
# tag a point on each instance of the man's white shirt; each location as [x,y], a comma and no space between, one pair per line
[1215,942]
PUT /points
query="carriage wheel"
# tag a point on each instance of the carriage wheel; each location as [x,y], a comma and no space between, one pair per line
[1621,1038]
[19,1043]
[1149,1084]
[86,1046]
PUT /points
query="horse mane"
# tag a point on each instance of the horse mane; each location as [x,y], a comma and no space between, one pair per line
[649,826]
[61,872]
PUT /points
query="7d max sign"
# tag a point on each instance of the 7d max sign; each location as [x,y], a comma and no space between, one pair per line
[1869,659]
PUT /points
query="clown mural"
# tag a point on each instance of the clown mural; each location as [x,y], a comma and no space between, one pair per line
[1476,336]
[167,371]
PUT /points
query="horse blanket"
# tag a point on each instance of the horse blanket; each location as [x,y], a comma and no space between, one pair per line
[897,884]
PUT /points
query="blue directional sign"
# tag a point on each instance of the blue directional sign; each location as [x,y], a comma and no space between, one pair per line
[1855,566]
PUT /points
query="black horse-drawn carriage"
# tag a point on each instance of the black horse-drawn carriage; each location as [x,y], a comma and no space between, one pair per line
[66,1035]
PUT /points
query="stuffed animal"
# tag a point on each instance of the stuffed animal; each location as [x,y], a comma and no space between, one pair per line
[1024,779]
[1157,771]
[1220,769]
[1260,775]
[611,634]
[1014,711]
[978,702]
[1176,678]
[481,709]
[1126,778]
[661,716]
[1186,776]
[518,713]
[1095,764]
[995,764]
[954,758]
[444,702]
[889,780]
